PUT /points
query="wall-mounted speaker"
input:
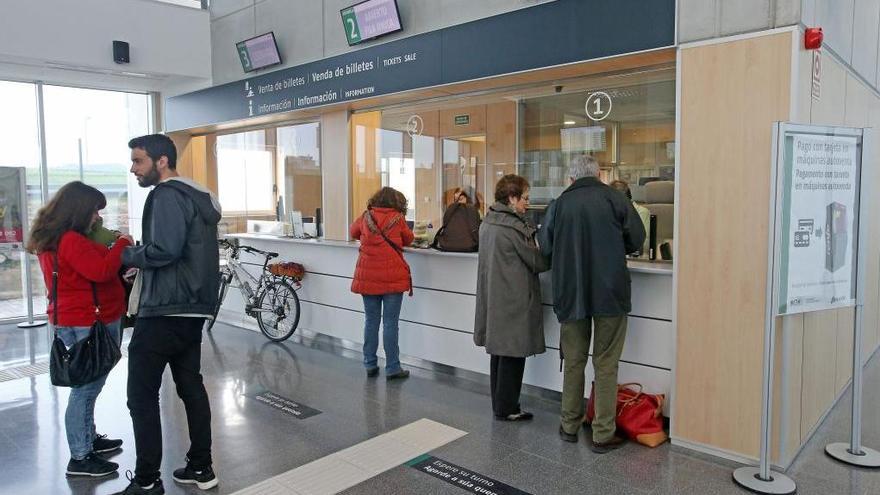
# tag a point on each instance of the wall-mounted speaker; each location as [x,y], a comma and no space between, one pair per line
[120,52]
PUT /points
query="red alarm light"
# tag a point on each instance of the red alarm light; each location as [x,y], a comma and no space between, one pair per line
[813,38]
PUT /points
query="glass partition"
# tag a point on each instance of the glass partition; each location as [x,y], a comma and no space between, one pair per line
[429,151]
[86,136]
[299,166]
[266,175]
[19,129]
[87,133]
[632,138]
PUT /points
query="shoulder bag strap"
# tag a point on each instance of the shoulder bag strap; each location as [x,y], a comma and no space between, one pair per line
[55,293]
[397,249]
[55,290]
[95,301]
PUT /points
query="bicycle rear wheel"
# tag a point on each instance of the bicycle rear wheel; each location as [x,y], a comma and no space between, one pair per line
[224,285]
[277,311]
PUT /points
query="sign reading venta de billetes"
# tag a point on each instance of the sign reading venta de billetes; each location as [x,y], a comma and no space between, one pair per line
[487,47]
[821,168]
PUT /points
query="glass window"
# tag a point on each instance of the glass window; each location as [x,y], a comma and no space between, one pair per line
[20,133]
[244,173]
[633,141]
[299,162]
[266,174]
[87,134]
[429,151]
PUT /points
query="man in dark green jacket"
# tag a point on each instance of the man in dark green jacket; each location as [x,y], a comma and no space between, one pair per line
[587,232]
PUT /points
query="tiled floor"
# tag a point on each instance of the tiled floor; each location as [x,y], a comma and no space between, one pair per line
[254,442]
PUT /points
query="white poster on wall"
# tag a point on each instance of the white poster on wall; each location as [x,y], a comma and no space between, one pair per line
[820,208]
[12,207]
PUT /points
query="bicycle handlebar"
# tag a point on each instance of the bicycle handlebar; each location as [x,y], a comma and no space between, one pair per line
[226,244]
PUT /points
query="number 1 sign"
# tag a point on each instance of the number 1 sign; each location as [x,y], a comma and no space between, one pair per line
[598,106]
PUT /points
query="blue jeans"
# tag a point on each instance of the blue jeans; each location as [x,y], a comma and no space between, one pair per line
[79,419]
[373,313]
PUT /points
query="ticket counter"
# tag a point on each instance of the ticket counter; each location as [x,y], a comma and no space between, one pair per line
[437,323]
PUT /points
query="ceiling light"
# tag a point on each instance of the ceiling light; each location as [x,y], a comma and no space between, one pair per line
[569,122]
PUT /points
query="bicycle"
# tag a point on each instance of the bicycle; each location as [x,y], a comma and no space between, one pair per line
[271,299]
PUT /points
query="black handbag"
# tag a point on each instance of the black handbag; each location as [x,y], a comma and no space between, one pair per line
[88,359]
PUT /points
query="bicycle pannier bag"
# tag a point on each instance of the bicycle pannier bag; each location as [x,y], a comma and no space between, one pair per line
[460,231]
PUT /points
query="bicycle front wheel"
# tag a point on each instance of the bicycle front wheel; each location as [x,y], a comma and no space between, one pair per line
[224,284]
[277,311]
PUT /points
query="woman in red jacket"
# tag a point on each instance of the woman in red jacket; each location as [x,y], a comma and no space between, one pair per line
[382,276]
[59,237]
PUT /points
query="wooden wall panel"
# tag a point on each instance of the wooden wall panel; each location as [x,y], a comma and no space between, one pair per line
[500,143]
[335,171]
[365,176]
[184,153]
[830,108]
[819,367]
[872,296]
[211,163]
[731,95]
[428,208]
[828,337]
[859,102]
[844,348]
[789,382]
[801,113]
[476,125]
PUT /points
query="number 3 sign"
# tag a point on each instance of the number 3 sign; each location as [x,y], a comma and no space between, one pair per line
[598,106]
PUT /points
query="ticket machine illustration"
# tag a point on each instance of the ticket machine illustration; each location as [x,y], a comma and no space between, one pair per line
[836,236]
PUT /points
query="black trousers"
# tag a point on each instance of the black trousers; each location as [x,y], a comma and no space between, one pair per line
[505,377]
[157,342]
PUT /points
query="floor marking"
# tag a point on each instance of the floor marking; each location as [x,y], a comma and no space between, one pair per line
[358,463]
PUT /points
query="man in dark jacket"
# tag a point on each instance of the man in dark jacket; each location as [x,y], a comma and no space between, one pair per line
[587,233]
[176,289]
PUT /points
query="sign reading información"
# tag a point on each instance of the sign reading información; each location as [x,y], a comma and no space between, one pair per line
[487,47]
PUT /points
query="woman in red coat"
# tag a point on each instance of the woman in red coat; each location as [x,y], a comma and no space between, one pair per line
[59,238]
[382,276]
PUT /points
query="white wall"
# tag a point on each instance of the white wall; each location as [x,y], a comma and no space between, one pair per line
[704,19]
[308,30]
[851,27]
[851,30]
[70,42]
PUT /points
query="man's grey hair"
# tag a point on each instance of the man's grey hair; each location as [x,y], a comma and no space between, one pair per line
[583,166]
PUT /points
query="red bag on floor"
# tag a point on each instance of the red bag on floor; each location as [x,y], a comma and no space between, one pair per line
[639,415]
